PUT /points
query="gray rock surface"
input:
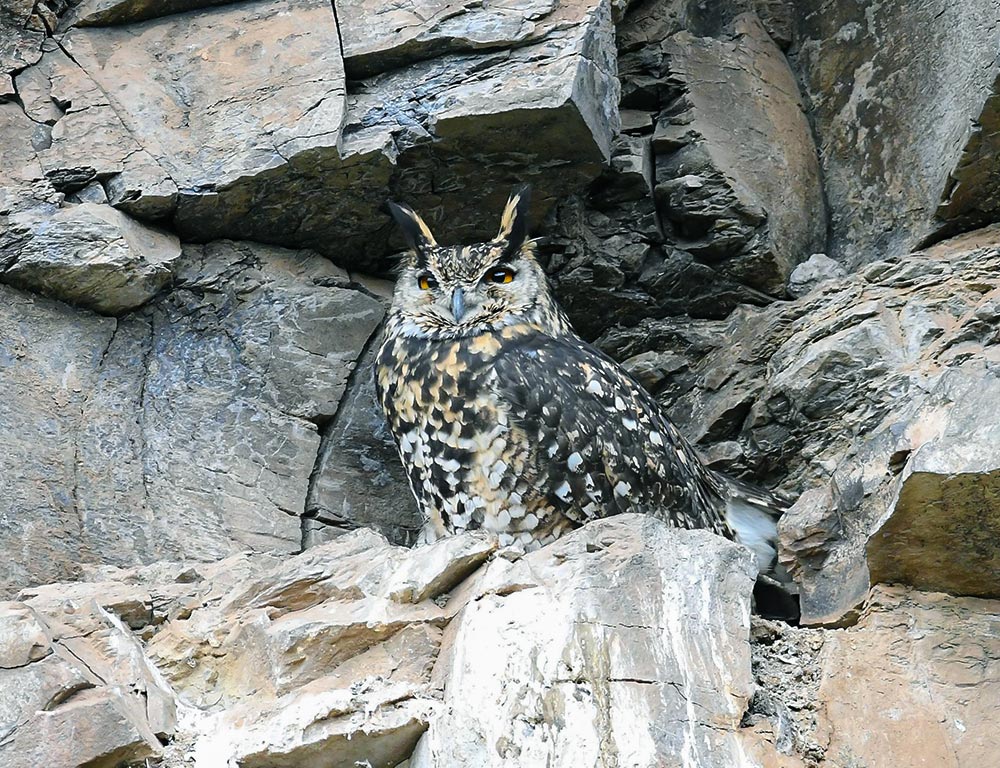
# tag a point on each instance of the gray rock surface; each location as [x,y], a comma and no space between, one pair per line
[811,272]
[161,112]
[358,479]
[88,255]
[941,530]
[186,397]
[820,391]
[892,80]
[188,429]
[737,176]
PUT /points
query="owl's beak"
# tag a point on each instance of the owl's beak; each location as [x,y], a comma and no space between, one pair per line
[458,304]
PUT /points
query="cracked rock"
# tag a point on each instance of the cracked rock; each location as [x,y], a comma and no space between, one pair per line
[184,430]
[942,530]
[88,255]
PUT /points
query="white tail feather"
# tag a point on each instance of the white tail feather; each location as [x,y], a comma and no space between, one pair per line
[755,528]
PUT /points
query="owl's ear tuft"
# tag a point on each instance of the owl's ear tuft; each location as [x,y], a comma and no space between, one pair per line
[514,222]
[415,230]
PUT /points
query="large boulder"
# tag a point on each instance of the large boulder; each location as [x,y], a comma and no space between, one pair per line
[623,643]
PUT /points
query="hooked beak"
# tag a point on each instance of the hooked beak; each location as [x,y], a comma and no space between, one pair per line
[458,304]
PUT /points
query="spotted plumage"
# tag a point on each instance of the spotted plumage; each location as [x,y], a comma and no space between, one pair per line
[507,421]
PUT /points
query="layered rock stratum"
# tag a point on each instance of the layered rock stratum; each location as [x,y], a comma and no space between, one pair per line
[781,218]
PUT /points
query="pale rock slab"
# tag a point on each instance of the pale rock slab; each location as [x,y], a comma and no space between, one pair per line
[623,643]
[914,684]
[812,272]
[380,35]
[311,615]
[87,255]
[84,694]
[21,36]
[323,659]
[96,727]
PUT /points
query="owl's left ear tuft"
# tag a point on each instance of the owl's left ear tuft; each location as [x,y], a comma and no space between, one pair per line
[415,230]
[514,222]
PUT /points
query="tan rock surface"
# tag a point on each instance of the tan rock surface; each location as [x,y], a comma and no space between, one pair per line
[915,684]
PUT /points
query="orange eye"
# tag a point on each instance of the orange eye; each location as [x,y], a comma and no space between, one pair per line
[426,282]
[500,275]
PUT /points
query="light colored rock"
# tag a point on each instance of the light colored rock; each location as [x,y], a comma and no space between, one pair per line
[942,529]
[82,692]
[96,728]
[22,638]
[21,36]
[322,728]
[356,602]
[622,643]
[88,255]
[816,269]
[833,584]
[884,83]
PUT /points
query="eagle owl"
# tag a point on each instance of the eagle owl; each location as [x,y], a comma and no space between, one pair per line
[506,420]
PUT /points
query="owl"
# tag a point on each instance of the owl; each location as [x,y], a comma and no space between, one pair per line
[506,420]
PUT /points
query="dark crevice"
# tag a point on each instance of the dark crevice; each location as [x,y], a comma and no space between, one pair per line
[329,428]
[340,36]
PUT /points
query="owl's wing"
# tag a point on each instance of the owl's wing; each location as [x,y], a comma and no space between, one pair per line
[599,443]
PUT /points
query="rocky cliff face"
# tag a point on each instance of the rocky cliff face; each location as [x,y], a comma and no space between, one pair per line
[778,216]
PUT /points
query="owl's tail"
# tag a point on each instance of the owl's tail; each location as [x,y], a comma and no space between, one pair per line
[753,513]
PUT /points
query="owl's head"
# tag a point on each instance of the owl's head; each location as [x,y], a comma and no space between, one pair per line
[451,291]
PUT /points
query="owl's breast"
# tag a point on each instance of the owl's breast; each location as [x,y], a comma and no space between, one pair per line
[453,432]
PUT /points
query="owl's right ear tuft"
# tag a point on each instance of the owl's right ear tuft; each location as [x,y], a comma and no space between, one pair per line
[514,222]
[415,230]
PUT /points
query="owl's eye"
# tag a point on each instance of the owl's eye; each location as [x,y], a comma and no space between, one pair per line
[426,282]
[500,275]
